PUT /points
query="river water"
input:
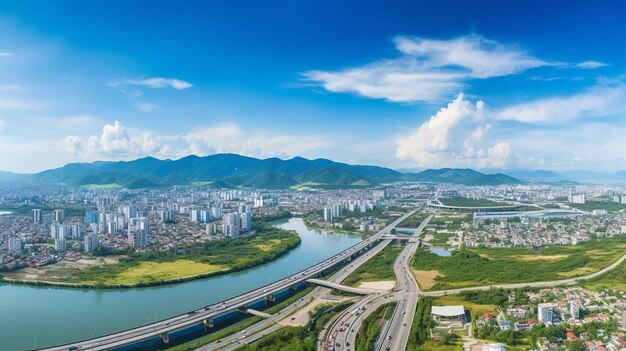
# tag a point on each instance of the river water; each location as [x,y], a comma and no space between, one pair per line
[44,316]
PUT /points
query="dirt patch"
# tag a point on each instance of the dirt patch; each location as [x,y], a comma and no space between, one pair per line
[301,317]
[57,270]
[426,279]
[379,285]
[539,257]
[597,252]
[621,246]
[428,237]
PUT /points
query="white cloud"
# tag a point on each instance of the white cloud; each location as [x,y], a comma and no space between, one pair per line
[230,137]
[428,70]
[483,58]
[156,82]
[3,124]
[116,142]
[453,137]
[599,101]
[147,106]
[590,65]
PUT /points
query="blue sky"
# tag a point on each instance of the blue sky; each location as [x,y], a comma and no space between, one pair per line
[404,84]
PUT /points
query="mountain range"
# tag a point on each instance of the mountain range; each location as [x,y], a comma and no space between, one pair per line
[231,170]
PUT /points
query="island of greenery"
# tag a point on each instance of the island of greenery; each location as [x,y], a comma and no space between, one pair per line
[486,266]
[157,268]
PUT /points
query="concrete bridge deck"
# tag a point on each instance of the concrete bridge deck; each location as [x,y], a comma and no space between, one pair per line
[257,313]
[342,287]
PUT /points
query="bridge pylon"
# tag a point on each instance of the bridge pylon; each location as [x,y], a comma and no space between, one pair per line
[165,337]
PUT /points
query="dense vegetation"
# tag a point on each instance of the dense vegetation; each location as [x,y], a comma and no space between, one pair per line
[298,338]
[211,258]
[422,322]
[413,221]
[371,327]
[471,267]
[379,267]
[615,279]
[600,203]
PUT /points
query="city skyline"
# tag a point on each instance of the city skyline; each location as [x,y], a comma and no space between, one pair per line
[481,85]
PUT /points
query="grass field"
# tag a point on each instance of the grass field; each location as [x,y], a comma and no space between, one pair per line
[413,221]
[371,327]
[465,202]
[475,308]
[598,203]
[150,272]
[379,267]
[201,183]
[440,239]
[475,267]
[103,186]
[615,279]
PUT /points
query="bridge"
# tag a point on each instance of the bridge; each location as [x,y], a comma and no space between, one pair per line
[342,287]
[256,313]
[400,237]
[159,333]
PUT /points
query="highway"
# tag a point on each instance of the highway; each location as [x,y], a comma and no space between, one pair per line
[270,325]
[343,332]
[163,327]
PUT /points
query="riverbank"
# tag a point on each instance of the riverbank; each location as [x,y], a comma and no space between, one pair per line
[331,230]
[120,309]
[156,269]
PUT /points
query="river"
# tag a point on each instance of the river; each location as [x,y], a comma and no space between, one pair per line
[44,316]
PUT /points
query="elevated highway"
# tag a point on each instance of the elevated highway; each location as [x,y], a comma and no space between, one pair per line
[342,287]
[159,332]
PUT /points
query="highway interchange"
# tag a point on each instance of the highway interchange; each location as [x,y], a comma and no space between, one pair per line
[342,335]
[342,332]
[163,327]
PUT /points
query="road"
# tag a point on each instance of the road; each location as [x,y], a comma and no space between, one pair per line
[342,335]
[269,325]
[163,327]
[397,334]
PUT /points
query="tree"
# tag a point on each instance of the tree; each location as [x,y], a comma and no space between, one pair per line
[577,345]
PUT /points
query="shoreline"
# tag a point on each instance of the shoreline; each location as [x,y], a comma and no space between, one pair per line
[44,283]
[332,230]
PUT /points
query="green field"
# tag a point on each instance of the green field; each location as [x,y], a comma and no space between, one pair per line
[378,268]
[413,221]
[201,183]
[103,186]
[486,266]
[155,267]
[465,202]
[440,239]
[371,327]
[615,279]
[599,203]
